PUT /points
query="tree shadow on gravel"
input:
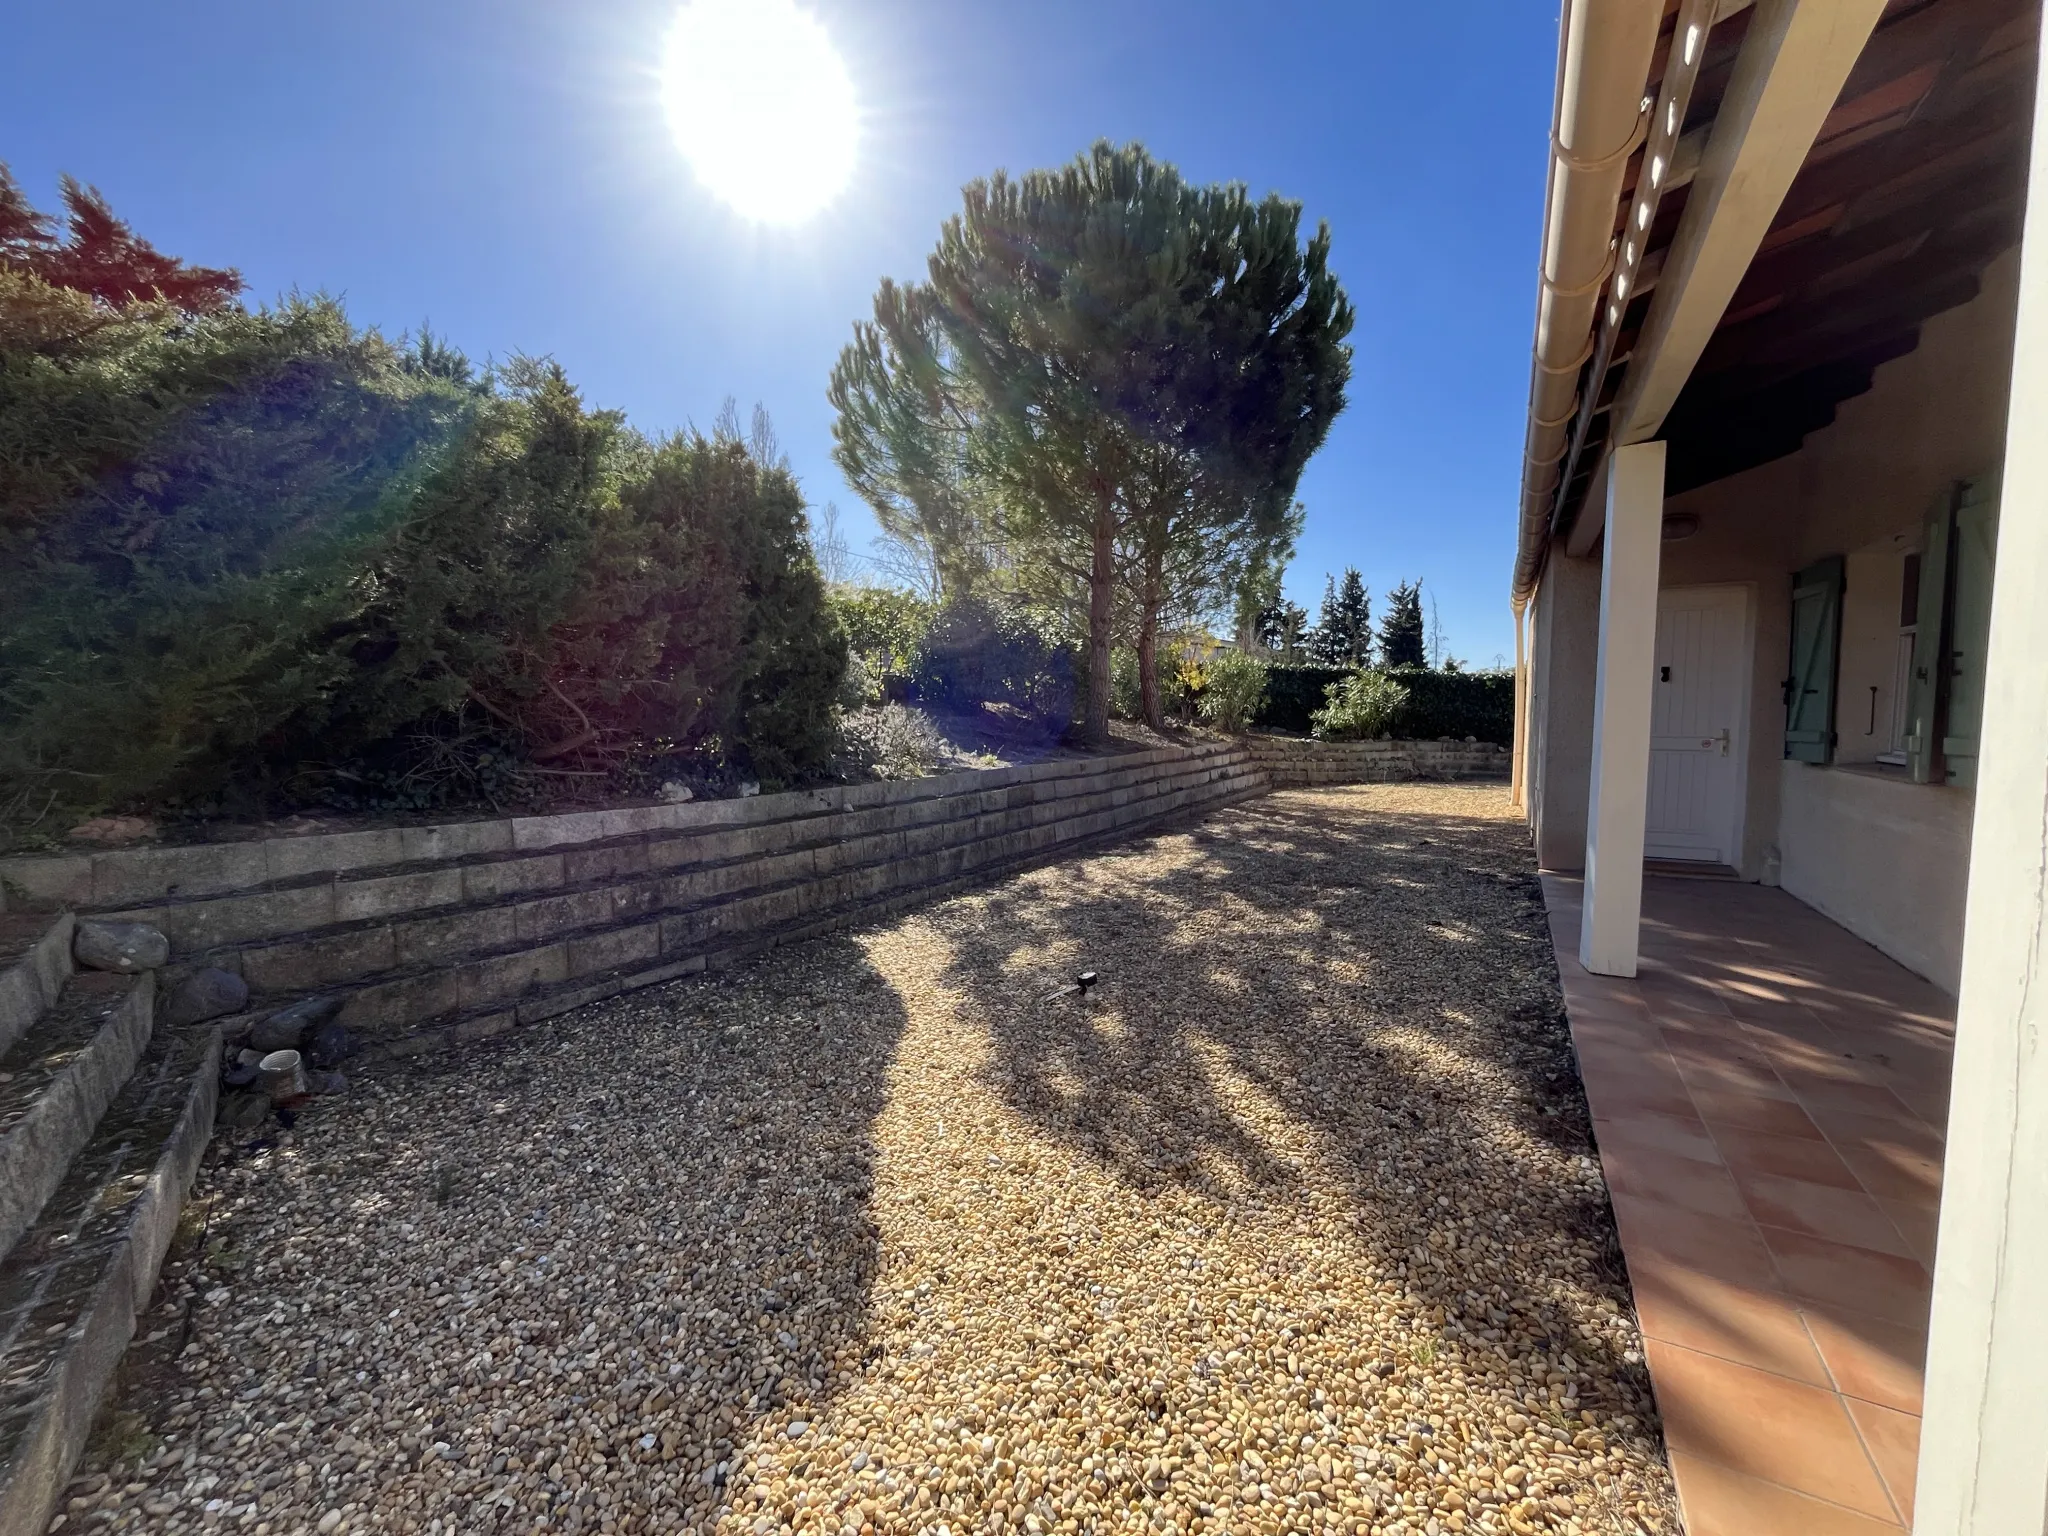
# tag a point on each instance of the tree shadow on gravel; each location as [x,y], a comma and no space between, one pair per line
[555,1276]
[1385,980]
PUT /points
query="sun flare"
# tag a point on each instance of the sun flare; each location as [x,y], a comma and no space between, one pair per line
[761,106]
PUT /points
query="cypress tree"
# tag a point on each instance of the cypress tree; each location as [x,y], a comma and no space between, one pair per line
[1401,630]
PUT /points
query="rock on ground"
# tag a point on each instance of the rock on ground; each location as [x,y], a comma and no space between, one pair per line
[208,993]
[125,947]
[1290,1225]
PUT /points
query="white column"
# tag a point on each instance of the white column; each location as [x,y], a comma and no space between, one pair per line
[1622,686]
[1984,1437]
[1518,762]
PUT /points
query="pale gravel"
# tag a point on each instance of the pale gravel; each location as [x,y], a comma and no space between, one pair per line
[1290,1225]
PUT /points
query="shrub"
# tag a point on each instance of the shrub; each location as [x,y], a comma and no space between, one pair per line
[1236,689]
[979,651]
[1362,708]
[1460,704]
[1294,694]
[886,629]
[890,741]
[253,550]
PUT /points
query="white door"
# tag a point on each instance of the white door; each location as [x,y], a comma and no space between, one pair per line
[1696,714]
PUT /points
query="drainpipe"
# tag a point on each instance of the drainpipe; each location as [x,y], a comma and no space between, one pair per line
[1604,53]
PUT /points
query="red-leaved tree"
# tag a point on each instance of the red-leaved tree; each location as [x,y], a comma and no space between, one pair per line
[99,255]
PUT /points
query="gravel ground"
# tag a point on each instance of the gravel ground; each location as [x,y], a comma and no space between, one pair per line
[1289,1224]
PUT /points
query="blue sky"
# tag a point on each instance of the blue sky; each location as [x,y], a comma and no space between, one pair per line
[502,169]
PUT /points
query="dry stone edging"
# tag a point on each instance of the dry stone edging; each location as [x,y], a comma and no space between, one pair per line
[1297,763]
[31,984]
[37,1149]
[48,1404]
[525,923]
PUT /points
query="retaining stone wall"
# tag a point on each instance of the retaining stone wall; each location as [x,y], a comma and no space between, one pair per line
[437,935]
[1293,763]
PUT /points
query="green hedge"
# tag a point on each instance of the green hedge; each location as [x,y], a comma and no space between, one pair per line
[1460,704]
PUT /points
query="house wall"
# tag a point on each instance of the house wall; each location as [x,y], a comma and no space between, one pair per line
[1565,638]
[1887,860]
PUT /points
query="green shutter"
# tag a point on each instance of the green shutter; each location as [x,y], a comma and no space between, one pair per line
[1930,644]
[1969,627]
[1816,634]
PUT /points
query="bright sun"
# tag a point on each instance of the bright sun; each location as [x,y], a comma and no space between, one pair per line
[761,105]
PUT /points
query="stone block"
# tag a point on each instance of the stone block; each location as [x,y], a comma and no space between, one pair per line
[614,861]
[393,895]
[614,950]
[396,1006]
[687,931]
[326,853]
[456,840]
[151,874]
[200,925]
[484,1026]
[551,917]
[292,965]
[503,978]
[455,936]
[512,877]
[61,881]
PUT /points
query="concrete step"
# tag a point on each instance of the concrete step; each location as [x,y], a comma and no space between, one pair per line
[72,1287]
[35,959]
[56,1083]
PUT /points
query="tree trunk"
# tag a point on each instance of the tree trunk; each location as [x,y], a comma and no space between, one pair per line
[1148,644]
[1101,593]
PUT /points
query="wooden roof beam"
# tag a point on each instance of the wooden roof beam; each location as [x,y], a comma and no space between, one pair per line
[1793,63]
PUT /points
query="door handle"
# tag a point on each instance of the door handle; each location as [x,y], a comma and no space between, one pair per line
[1723,739]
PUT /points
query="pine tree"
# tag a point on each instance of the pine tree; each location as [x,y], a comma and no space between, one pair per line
[1154,365]
[1401,629]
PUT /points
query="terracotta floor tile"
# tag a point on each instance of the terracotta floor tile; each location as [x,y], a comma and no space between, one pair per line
[1680,1135]
[1764,1426]
[1869,1358]
[1719,1502]
[1729,1076]
[1918,1224]
[1821,1210]
[1615,1095]
[1848,1128]
[1752,1112]
[1893,1440]
[1746,1324]
[1681,1181]
[1788,1157]
[1820,1093]
[1727,1250]
[1892,1172]
[1859,1279]
[1930,1105]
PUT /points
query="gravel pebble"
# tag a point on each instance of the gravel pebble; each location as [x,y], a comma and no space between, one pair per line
[1290,1224]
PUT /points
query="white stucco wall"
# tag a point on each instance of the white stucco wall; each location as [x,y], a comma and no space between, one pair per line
[1861,488]
[1887,859]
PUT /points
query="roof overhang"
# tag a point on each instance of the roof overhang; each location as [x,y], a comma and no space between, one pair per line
[1831,174]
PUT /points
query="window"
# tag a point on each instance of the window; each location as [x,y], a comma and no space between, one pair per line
[1902,665]
[1951,635]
